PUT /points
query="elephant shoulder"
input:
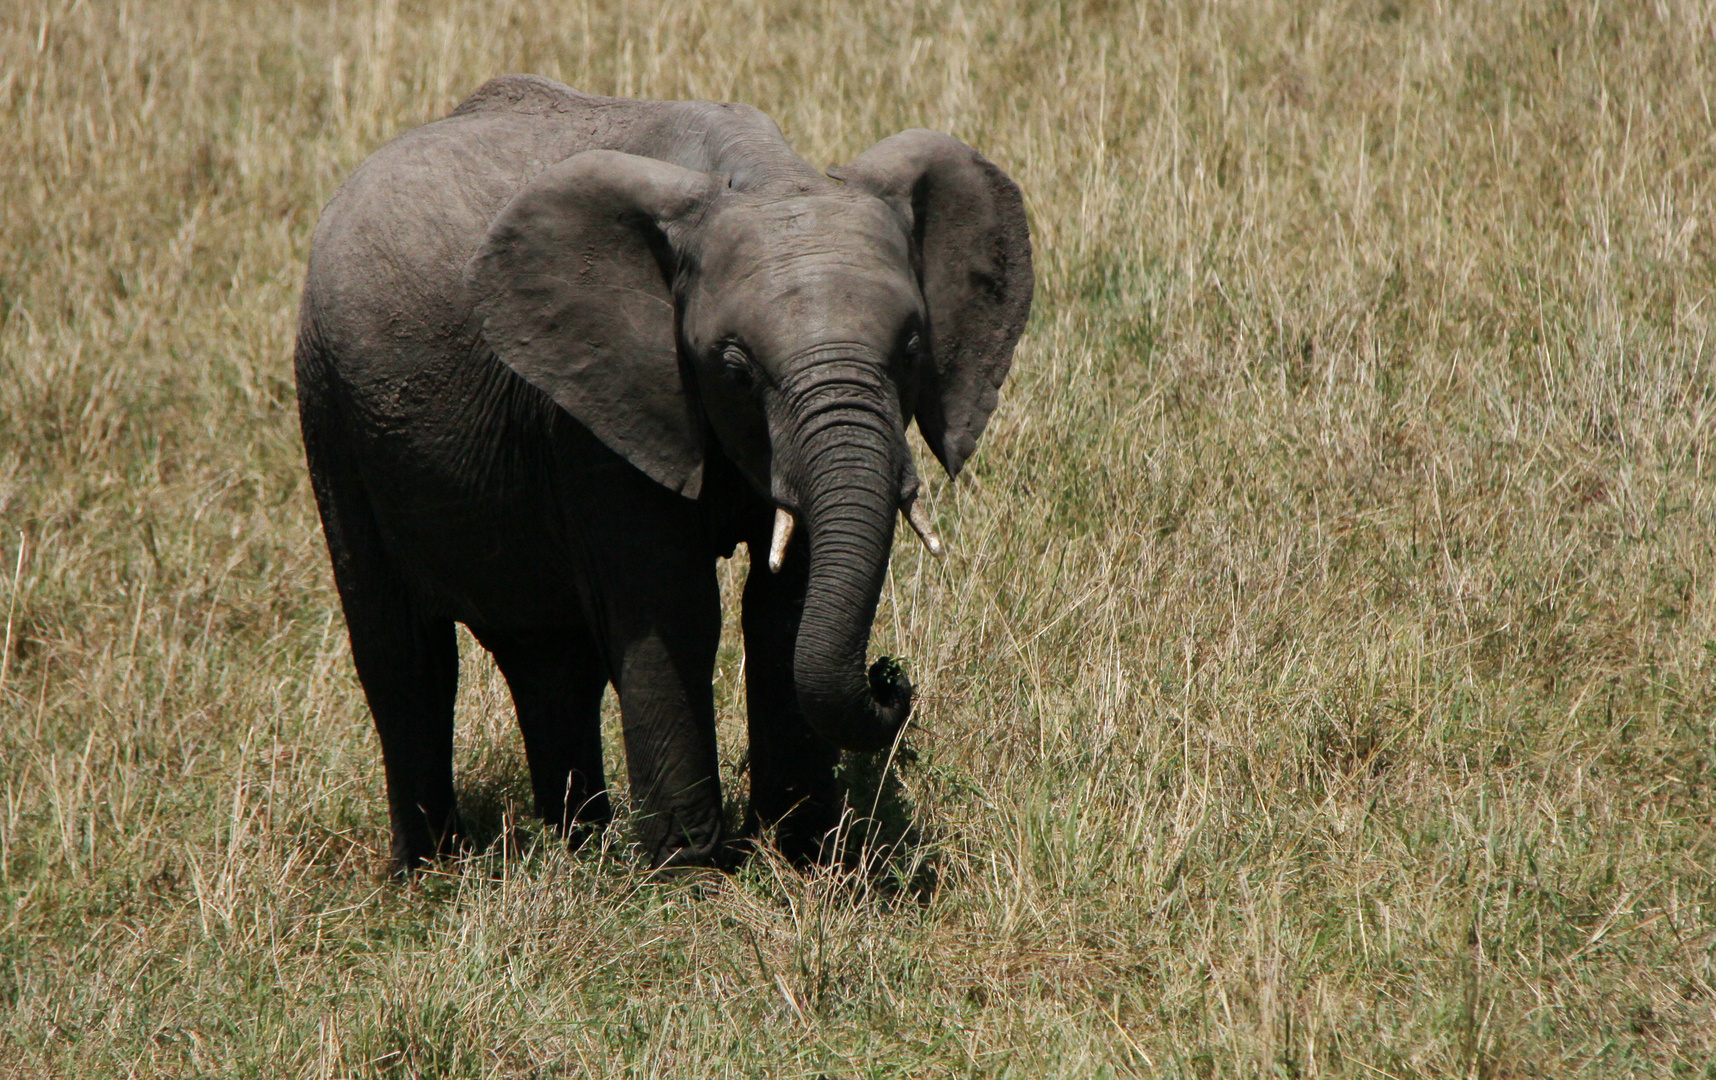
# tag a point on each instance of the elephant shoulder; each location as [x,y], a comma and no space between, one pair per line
[386,261]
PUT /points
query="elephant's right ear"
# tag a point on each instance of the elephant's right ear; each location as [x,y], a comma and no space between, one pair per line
[573,284]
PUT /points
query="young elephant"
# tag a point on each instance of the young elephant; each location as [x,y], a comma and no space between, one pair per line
[557,353]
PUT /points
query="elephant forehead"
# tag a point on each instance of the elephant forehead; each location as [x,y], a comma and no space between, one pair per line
[791,304]
[795,234]
[787,273]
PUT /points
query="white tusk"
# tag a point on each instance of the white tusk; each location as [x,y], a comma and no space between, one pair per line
[782,537]
[918,517]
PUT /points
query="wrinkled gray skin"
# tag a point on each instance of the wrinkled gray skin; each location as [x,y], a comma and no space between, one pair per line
[557,353]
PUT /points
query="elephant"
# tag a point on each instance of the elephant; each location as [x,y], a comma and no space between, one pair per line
[558,354]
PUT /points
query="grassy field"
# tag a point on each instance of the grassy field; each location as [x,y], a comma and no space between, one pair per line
[1323,682]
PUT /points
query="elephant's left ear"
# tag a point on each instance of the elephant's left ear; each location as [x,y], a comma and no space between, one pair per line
[973,249]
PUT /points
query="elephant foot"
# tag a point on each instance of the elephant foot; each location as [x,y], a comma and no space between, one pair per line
[411,854]
[685,847]
[803,831]
[580,833]
[590,817]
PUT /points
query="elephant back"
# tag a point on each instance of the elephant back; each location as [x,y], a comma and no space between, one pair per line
[526,93]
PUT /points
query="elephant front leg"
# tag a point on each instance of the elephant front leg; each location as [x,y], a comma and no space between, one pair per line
[793,787]
[664,630]
[668,712]
[653,606]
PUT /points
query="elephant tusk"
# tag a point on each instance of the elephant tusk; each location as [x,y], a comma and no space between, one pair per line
[782,537]
[919,520]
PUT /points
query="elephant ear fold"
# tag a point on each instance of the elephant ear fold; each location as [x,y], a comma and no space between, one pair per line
[973,247]
[573,285]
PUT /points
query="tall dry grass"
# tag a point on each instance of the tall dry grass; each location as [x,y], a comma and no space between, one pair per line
[1322,683]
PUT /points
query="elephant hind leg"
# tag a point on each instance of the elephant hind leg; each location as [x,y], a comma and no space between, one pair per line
[557,680]
[408,663]
[409,668]
[407,659]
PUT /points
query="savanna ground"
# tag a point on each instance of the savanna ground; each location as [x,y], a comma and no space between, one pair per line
[1323,682]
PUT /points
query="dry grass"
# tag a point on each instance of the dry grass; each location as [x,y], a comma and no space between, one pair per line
[1323,684]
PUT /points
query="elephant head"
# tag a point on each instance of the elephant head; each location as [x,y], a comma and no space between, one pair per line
[797,323]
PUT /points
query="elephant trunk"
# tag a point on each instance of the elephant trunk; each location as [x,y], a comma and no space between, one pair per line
[852,458]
